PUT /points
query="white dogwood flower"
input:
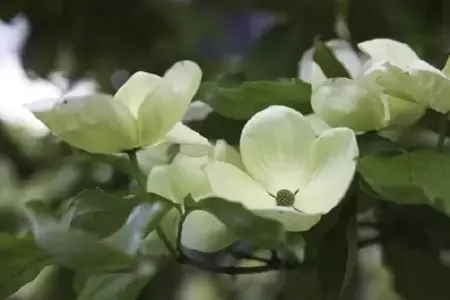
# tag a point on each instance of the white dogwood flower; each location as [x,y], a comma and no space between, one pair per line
[145,111]
[290,174]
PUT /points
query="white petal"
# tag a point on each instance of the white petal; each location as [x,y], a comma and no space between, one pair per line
[184,77]
[191,142]
[155,155]
[290,219]
[188,177]
[394,52]
[225,153]
[332,166]
[316,123]
[428,88]
[421,65]
[202,231]
[133,92]
[274,144]
[160,111]
[97,123]
[233,184]
[158,182]
[311,72]
[349,103]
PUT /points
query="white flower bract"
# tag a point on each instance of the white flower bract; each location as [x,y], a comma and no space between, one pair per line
[145,111]
[280,151]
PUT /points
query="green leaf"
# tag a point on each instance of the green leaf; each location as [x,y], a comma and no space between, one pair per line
[337,255]
[245,224]
[101,213]
[418,272]
[20,262]
[372,143]
[419,177]
[75,249]
[126,286]
[143,219]
[277,53]
[243,101]
[325,58]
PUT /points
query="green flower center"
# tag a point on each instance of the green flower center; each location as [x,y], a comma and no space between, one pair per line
[285,198]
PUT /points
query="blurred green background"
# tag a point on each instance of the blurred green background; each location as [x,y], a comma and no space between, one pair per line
[262,40]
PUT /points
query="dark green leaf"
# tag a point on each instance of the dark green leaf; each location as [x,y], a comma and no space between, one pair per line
[418,272]
[419,177]
[372,143]
[245,224]
[20,262]
[325,58]
[337,254]
[243,101]
[277,53]
[99,212]
[75,249]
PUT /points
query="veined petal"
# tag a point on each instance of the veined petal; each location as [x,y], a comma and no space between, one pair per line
[290,219]
[274,146]
[184,77]
[192,143]
[332,167]
[96,123]
[188,177]
[202,231]
[133,92]
[225,153]
[231,183]
[394,52]
[158,182]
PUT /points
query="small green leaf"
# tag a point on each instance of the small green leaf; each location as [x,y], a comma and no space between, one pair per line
[126,286]
[20,262]
[419,177]
[143,219]
[243,101]
[337,254]
[325,58]
[75,249]
[98,212]
[245,224]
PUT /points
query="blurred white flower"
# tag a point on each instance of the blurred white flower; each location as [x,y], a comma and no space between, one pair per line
[17,89]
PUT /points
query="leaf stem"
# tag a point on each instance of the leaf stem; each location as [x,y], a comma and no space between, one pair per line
[142,185]
[442,132]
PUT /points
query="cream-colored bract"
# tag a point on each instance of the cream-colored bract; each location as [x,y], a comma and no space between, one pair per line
[420,83]
[281,151]
[201,230]
[348,103]
[145,111]
[343,102]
